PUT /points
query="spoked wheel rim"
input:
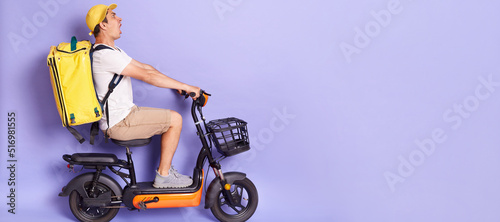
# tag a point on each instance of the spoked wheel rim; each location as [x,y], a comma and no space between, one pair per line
[86,213]
[241,200]
[93,212]
[245,200]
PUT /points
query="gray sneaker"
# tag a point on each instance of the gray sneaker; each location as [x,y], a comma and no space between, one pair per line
[171,181]
[172,170]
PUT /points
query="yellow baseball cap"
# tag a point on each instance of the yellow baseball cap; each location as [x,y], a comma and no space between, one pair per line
[96,15]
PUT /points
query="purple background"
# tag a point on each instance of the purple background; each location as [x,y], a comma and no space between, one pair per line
[327,127]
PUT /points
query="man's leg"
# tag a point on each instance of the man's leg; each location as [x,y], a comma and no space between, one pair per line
[167,176]
[169,142]
[144,122]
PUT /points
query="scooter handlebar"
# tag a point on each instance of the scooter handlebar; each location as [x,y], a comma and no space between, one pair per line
[184,93]
[201,100]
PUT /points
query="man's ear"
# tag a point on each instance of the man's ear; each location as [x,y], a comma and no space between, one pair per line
[102,26]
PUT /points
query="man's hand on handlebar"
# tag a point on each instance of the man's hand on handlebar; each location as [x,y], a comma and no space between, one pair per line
[192,91]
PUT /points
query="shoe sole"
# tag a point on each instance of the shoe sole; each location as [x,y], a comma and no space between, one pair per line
[156,186]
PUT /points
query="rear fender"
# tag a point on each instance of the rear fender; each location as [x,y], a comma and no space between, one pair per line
[215,186]
[78,182]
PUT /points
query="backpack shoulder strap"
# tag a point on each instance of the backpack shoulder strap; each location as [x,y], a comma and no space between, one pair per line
[94,130]
[99,47]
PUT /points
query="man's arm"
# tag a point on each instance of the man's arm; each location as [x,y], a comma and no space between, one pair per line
[150,75]
[143,65]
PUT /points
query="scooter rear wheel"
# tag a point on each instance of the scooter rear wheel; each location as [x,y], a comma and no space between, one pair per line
[246,198]
[91,214]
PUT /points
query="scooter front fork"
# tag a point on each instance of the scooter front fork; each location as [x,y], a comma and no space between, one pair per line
[226,187]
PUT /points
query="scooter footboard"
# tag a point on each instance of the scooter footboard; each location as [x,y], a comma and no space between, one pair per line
[168,197]
[213,189]
[78,183]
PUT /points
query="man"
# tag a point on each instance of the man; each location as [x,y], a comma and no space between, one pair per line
[126,120]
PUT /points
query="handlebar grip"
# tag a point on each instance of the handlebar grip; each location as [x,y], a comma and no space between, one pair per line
[184,93]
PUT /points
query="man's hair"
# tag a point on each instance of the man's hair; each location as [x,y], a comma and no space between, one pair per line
[97,29]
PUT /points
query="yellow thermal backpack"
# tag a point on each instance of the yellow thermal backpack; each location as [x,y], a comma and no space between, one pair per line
[71,77]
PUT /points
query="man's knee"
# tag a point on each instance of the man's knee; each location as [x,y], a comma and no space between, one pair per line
[175,119]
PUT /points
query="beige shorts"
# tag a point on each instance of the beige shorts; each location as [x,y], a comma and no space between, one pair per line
[141,123]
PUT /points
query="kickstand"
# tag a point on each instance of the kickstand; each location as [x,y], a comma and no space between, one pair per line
[143,204]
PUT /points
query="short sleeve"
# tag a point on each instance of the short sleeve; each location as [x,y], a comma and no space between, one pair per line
[113,61]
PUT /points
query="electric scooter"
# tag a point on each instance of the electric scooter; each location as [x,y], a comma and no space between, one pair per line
[231,196]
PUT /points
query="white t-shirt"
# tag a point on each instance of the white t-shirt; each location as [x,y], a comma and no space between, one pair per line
[107,62]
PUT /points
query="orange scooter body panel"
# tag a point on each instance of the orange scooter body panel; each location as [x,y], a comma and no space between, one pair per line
[171,200]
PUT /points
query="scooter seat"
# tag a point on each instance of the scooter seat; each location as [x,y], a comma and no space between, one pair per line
[94,158]
[132,143]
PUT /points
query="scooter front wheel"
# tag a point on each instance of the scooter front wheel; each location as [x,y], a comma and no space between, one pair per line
[91,213]
[245,200]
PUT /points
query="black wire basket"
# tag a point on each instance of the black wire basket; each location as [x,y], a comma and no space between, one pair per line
[229,135]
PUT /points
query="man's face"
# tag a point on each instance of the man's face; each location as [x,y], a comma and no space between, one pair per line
[114,24]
